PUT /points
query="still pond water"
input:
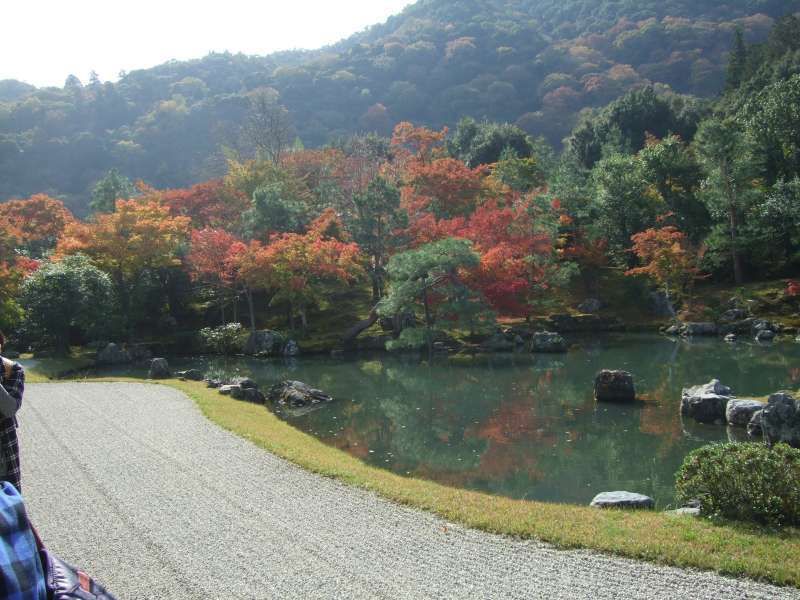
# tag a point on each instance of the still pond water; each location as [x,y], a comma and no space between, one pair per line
[527,426]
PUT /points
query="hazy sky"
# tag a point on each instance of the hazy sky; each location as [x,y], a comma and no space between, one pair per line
[43,41]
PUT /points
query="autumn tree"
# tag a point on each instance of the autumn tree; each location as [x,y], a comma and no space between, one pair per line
[35,223]
[137,238]
[295,270]
[208,204]
[211,261]
[665,258]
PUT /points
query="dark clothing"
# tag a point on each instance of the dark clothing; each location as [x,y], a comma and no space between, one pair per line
[9,445]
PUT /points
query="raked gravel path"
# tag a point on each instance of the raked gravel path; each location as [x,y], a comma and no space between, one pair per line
[134,484]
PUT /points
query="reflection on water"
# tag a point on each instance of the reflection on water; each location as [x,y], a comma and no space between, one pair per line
[527,426]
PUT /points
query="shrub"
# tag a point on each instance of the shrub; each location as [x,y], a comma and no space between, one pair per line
[225,339]
[746,482]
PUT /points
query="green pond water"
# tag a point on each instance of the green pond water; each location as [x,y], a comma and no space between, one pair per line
[527,426]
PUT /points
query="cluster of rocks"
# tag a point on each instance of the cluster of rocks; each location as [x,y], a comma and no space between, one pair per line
[515,340]
[777,420]
[734,322]
[296,394]
[266,343]
[240,388]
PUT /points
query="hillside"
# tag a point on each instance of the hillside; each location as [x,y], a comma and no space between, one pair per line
[537,63]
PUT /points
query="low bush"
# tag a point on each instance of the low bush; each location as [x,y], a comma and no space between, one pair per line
[745,482]
[225,339]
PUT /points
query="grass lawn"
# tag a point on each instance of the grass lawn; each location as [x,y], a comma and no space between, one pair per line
[729,548]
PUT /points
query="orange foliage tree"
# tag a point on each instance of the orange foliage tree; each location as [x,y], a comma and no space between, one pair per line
[666,259]
[36,222]
[295,269]
[140,235]
[208,204]
[212,261]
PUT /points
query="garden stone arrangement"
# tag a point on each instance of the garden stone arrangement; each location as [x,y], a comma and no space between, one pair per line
[776,421]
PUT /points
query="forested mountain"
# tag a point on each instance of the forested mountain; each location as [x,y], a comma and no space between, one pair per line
[536,63]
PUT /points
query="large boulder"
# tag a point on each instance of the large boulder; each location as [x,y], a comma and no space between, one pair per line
[622,500]
[253,395]
[159,369]
[296,394]
[614,386]
[112,354]
[780,420]
[740,412]
[706,403]
[548,341]
[699,329]
[264,343]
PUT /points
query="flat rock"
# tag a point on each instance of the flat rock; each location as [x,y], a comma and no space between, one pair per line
[740,412]
[622,500]
[684,511]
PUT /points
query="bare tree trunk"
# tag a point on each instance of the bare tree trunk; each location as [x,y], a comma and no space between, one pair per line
[428,333]
[250,308]
[352,333]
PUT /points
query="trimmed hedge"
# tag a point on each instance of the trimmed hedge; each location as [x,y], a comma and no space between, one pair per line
[744,482]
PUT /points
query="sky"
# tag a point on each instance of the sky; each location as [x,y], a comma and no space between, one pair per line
[43,41]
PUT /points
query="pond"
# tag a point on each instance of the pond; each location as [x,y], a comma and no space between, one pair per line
[527,426]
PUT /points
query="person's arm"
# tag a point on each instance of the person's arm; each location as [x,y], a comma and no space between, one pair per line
[11,390]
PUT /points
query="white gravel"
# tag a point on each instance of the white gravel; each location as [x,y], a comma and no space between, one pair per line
[132,483]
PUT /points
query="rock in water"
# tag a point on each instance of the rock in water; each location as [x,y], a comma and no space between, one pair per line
[264,343]
[159,369]
[740,412]
[548,341]
[113,354]
[614,386]
[780,420]
[730,338]
[622,500]
[296,394]
[765,335]
[699,329]
[754,429]
[590,306]
[291,348]
[706,403]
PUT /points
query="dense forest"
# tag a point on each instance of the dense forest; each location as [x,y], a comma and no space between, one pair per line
[534,63]
[432,231]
